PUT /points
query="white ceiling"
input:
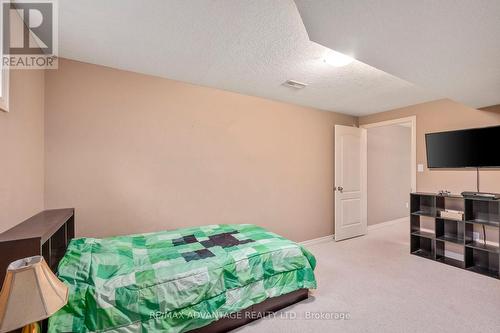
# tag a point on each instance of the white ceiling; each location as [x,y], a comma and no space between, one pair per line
[250,47]
[451,47]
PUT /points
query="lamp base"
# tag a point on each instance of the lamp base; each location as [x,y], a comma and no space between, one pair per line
[32,328]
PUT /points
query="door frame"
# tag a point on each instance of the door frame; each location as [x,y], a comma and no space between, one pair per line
[413,159]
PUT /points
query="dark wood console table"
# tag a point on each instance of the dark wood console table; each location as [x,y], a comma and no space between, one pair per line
[47,233]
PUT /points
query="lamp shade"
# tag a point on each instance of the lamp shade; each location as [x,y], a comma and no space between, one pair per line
[30,293]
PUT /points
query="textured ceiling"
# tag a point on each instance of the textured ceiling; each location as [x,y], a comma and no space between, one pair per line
[250,47]
[451,47]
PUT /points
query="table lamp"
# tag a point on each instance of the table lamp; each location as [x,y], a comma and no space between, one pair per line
[30,293]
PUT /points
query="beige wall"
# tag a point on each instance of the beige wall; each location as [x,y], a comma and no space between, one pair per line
[134,153]
[22,149]
[389,173]
[438,116]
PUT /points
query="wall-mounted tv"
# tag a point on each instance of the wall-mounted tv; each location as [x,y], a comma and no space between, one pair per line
[469,148]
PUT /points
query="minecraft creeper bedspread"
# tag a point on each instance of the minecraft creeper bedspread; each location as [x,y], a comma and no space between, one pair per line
[176,281]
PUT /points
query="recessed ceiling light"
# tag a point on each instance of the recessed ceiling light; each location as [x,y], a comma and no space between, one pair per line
[336,59]
[294,84]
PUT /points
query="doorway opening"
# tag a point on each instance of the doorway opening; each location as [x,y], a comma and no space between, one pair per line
[391,170]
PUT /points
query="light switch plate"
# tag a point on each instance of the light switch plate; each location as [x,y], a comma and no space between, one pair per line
[420,167]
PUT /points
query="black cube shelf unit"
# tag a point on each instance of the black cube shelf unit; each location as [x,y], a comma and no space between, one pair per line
[477,256]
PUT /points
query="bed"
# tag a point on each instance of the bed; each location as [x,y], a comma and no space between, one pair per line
[204,279]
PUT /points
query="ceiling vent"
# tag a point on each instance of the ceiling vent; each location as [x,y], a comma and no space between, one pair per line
[294,84]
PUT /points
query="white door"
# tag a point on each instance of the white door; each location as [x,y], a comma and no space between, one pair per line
[350,182]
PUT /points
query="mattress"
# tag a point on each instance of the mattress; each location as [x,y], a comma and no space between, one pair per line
[176,281]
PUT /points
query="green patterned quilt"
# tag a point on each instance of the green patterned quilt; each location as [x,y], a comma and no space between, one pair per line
[176,281]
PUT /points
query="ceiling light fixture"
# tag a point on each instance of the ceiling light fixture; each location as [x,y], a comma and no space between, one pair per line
[336,59]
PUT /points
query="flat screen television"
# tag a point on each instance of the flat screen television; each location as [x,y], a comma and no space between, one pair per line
[469,148]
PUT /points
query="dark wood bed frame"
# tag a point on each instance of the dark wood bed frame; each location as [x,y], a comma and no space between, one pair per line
[48,234]
[255,312]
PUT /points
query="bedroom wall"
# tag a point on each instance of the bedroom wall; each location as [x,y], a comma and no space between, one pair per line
[443,115]
[135,153]
[389,173]
[22,149]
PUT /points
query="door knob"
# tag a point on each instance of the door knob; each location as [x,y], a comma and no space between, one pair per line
[340,188]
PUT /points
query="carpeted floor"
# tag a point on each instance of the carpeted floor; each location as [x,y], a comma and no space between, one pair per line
[380,287]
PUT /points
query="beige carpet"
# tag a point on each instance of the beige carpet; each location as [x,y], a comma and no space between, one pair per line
[385,289]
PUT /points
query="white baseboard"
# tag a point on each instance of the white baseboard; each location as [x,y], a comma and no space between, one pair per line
[317,240]
[388,223]
[371,227]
